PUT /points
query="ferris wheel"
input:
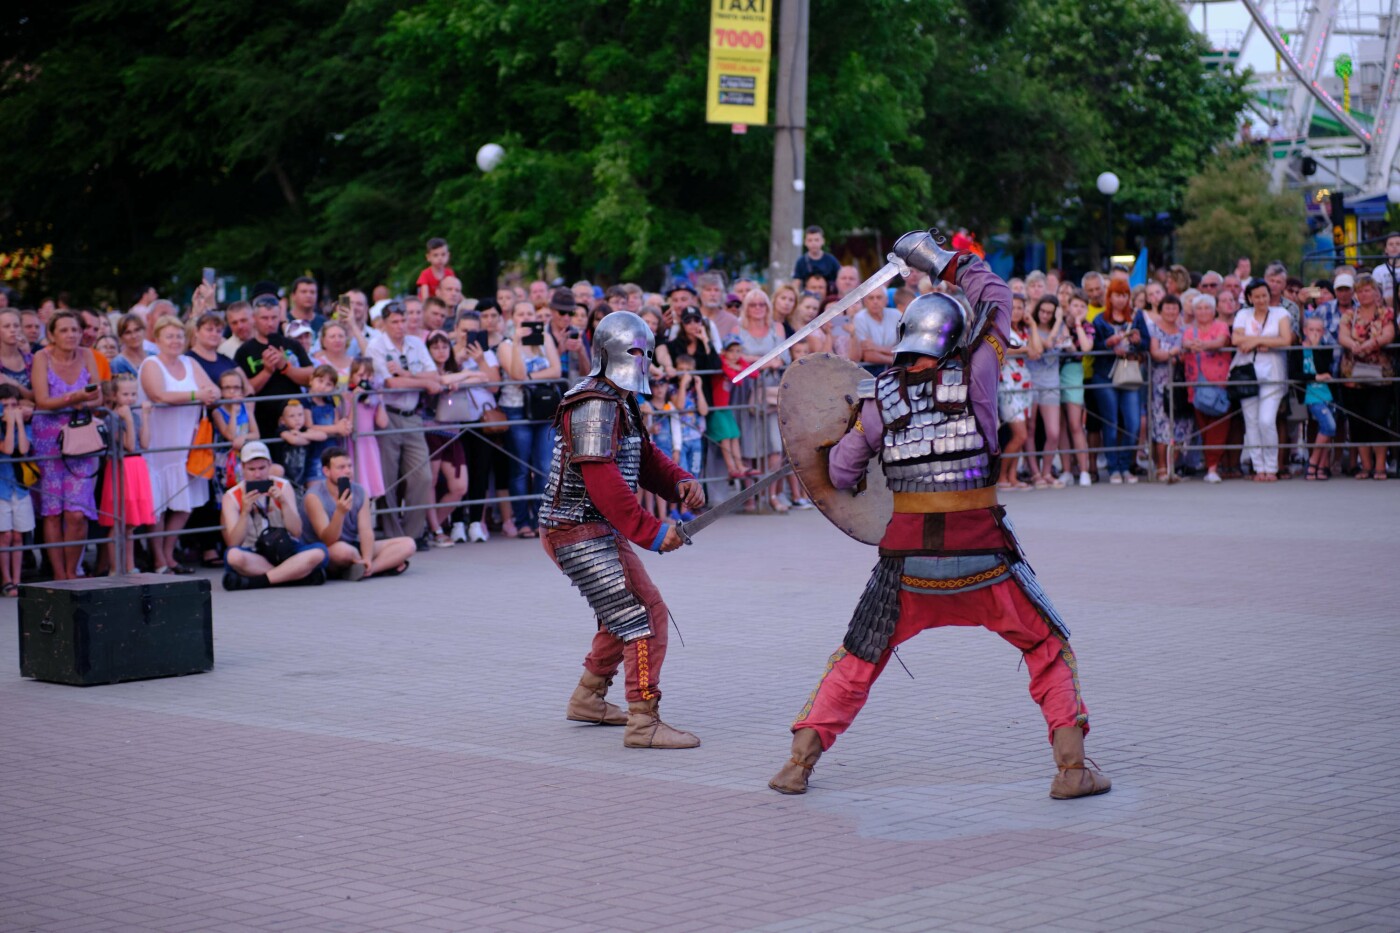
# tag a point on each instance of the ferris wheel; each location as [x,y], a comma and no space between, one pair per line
[1326,83]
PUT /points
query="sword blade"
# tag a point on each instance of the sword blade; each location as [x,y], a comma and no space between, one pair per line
[687,529]
[878,280]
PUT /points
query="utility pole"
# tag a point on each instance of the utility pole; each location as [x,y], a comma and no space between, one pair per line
[789,140]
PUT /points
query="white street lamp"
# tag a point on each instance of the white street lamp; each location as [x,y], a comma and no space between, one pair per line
[1108,187]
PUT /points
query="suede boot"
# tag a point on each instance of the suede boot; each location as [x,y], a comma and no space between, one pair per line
[587,703]
[1075,778]
[646,730]
[792,777]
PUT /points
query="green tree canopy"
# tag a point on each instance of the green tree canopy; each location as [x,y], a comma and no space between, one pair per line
[1231,213]
[149,138]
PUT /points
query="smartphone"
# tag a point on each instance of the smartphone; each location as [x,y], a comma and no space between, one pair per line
[208,275]
[259,485]
[90,387]
[342,485]
[573,333]
[479,337]
[534,334]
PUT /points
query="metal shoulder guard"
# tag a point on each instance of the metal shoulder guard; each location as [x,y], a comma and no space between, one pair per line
[592,430]
[865,389]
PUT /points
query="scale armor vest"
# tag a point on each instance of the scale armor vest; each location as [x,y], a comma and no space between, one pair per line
[930,441]
[593,408]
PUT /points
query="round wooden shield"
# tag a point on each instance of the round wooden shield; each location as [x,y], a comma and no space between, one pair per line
[815,406]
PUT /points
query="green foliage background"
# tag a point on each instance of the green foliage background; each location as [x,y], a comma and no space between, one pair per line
[1231,213]
[149,138]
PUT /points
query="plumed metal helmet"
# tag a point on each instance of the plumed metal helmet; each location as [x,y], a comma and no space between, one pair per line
[932,325]
[616,336]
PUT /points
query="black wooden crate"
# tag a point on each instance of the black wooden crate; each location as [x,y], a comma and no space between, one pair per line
[108,629]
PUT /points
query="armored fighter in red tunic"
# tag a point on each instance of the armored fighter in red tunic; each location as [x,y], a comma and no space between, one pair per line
[602,454]
[949,555]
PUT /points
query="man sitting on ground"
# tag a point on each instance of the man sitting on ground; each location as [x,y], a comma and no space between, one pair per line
[262,527]
[341,521]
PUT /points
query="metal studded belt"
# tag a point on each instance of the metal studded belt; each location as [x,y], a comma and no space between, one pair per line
[962,501]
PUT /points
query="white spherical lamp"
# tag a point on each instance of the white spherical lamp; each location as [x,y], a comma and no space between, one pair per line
[1108,184]
[489,156]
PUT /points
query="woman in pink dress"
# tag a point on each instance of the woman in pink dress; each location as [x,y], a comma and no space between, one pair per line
[369,417]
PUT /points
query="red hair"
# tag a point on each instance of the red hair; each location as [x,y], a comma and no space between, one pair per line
[1118,287]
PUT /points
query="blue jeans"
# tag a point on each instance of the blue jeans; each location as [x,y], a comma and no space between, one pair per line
[692,458]
[534,444]
[1121,411]
[1321,412]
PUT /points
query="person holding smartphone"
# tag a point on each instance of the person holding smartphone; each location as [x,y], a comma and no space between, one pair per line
[262,529]
[336,510]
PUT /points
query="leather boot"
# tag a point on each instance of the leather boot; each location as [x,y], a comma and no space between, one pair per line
[792,777]
[646,730]
[587,703]
[1075,779]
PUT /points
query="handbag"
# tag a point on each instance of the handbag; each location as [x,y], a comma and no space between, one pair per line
[84,436]
[1364,372]
[454,407]
[1244,381]
[542,400]
[494,421]
[28,474]
[1211,399]
[1126,374]
[275,545]
[200,462]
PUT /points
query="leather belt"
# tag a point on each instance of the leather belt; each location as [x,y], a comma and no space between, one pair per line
[962,501]
[401,412]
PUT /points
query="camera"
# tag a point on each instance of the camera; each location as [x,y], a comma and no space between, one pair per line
[573,333]
[534,334]
[365,385]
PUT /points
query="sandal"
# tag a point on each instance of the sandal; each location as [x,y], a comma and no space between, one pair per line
[1162,476]
[1041,483]
[1323,473]
[1379,474]
[1361,474]
[394,572]
[9,589]
[528,533]
[509,530]
[1311,473]
[777,505]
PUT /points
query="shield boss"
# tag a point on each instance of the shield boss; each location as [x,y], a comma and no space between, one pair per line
[816,404]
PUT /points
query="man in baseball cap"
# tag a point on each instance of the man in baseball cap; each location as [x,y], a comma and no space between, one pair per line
[262,529]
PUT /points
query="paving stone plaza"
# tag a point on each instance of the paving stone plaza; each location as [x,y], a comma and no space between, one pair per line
[392,755]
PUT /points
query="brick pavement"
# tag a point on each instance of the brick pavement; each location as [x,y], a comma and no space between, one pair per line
[392,755]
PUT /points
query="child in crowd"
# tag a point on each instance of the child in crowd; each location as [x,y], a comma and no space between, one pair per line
[370,416]
[297,438]
[723,428]
[1317,372]
[327,409]
[689,408]
[233,419]
[16,505]
[659,426]
[138,501]
[438,255]
[1014,397]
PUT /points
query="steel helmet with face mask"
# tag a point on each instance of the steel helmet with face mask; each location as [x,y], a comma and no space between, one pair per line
[616,336]
[932,325]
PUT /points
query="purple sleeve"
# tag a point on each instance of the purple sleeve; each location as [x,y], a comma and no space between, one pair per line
[983,394]
[979,283]
[852,453]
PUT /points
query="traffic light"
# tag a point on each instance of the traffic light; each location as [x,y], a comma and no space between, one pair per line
[1309,166]
[1338,212]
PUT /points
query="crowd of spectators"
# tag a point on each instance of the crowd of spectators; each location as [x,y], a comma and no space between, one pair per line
[291,439]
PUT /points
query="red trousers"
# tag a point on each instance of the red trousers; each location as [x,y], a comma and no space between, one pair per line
[1214,432]
[640,659]
[1001,608]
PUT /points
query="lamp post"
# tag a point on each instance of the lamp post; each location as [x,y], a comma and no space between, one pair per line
[1108,187]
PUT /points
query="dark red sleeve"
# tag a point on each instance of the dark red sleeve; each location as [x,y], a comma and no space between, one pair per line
[660,473]
[618,504]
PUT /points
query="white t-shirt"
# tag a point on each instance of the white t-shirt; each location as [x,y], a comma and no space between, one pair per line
[882,333]
[1383,281]
[1269,365]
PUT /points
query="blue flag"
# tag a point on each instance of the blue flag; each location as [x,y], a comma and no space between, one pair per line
[1139,274]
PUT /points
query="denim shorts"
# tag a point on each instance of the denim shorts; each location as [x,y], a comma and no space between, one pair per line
[1321,412]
